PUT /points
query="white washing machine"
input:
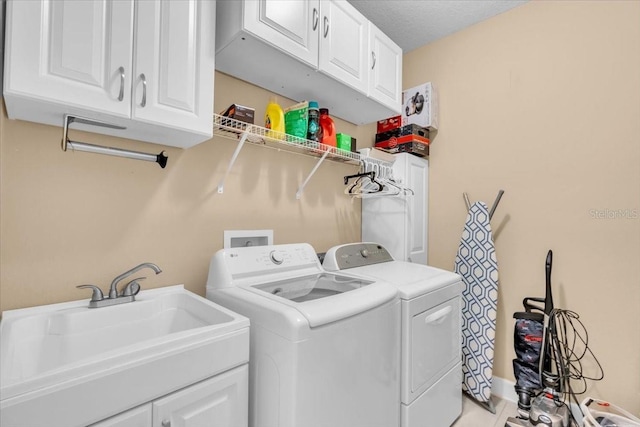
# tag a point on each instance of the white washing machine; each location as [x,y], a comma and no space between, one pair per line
[324,349]
[431,373]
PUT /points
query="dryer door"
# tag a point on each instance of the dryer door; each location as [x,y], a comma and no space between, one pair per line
[435,344]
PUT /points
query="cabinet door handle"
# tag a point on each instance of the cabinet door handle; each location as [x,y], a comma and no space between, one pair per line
[315,19]
[166,423]
[121,95]
[373,57]
[326,27]
[143,103]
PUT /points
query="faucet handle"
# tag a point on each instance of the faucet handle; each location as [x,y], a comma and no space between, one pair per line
[132,288]
[97,292]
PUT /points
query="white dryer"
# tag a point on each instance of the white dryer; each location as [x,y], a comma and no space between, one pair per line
[431,374]
[323,347]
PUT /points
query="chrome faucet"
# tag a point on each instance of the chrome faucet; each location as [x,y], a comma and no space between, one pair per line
[113,290]
[128,293]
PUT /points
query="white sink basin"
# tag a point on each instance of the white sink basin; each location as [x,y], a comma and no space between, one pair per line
[123,355]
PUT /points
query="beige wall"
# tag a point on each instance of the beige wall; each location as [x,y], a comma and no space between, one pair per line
[73,218]
[544,102]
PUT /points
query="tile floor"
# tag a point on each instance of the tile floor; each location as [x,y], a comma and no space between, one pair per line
[474,415]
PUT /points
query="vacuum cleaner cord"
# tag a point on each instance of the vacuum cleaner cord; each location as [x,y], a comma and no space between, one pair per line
[567,346]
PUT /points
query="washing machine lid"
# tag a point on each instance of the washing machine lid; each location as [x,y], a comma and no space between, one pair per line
[411,280]
[326,297]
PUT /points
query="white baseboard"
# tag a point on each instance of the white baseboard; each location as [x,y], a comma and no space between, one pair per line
[504,389]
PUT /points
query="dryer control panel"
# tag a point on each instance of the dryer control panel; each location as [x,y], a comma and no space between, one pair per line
[356,255]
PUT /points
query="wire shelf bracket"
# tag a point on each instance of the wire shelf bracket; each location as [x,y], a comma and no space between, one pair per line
[313,171]
[243,139]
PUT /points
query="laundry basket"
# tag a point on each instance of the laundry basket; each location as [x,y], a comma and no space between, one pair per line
[599,413]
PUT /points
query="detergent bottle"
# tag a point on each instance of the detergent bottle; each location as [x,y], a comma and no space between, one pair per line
[313,129]
[274,119]
[328,128]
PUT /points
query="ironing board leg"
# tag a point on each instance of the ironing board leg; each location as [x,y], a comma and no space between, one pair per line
[489,406]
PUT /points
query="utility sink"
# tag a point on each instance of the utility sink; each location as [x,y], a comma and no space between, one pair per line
[121,356]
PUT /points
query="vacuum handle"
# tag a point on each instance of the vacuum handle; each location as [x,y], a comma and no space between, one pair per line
[528,306]
[548,298]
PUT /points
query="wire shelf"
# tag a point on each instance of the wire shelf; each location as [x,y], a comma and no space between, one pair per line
[234,129]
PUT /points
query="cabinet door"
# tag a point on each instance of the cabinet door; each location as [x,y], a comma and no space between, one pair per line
[291,26]
[218,402]
[400,223]
[417,175]
[174,63]
[385,65]
[137,417]
[344,44]
[72,52]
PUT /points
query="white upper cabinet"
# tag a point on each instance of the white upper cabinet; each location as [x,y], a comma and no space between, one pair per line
[289,25]
[344,44]
[80,55]
[147,66]
[168,52]
[311,50]
[385,65]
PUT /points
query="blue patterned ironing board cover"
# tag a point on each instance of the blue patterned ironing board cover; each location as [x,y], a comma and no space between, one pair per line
[476,263]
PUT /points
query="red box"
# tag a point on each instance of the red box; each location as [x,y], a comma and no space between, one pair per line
[413,144]
[402,131]
[388,124]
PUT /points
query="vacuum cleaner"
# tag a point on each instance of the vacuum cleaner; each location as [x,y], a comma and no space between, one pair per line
[538,366]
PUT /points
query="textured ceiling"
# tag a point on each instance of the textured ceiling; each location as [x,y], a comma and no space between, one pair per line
[414,23]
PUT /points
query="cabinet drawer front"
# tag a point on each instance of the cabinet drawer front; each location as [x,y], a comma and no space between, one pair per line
[72,52]
[137,417]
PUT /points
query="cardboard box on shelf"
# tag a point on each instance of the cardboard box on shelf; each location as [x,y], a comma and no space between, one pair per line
[388,124]
[240,113]
[413,144]
[420,106]
[402,131]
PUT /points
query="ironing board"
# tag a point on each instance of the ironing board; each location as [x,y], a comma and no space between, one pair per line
[476,263]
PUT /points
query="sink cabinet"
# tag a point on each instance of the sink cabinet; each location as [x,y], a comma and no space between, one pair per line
[323,50]
[221,401]
[170,356]
[147,66]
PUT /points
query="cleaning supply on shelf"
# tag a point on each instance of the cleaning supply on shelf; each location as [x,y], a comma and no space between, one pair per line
[296,119]
[343,142]
[274,119]
[313,129]
[328,128]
